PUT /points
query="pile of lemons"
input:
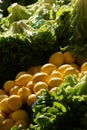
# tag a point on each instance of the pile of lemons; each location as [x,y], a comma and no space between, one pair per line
[29,84]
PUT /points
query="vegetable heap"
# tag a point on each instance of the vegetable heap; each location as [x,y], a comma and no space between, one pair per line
[65,109]
[49,96]
[31,33]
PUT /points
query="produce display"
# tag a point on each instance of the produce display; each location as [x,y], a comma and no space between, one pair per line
[43,65]
[37,30]
[46,96]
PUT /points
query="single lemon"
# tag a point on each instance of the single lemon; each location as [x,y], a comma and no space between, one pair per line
[8,85]
[24,92]
[31,99]
[19,114]
[71,71]
[57,59]
[84,67]
[40,85]
[54,82]
[68,57]
[40,76]
[48,68]
[23,79]
[14,102]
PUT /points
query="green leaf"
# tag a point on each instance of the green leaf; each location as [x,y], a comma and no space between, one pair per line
[59,106]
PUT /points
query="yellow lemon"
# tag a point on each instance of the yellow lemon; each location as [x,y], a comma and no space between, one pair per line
[30,85]
[8,85]
[54,82]
[40,92]
[40,76]
[84,67]
[24,92]
[62,68]
[3,97]
[68,57]
[14,102]
[71,71]
[57,59]
[14,90]
[55,73]
[19,115]
[23,79]
[4,107]
[82,74]
[40,85]
[31,99]
[48,68]
[20,73]
[53,90]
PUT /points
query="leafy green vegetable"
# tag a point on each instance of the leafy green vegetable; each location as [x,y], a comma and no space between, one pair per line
[47,113]
[65,110]
[77,27]
[4,4]
[43,28]
[29,43]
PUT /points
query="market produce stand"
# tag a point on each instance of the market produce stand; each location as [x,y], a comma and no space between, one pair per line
[43,65]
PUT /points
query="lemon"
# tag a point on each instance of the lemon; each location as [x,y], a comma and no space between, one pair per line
[82,74]
[40,76]
[48,68]
[3,97]
[8,85]
[19,115]
[57,59]
[55,73]
[40,92]
[4,107]
[30,85]
[24,92]
[53,90]
[20,73]
[23,79]
[31,99]
[40,85]
[54,82]
[62,68]
[14,90]
[84,67]
[68,57]
[71,71]
[14,102]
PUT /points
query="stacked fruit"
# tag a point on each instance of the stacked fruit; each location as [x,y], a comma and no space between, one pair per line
[27,86]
